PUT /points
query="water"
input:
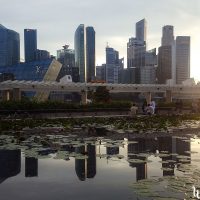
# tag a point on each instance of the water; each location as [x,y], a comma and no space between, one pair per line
[102,175]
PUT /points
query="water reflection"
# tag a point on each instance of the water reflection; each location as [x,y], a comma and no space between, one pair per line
[97,168]
[31,167]
[86,168]
[166,148]
[10,163]
[112,150]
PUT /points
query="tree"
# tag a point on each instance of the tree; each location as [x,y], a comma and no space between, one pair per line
[101,95]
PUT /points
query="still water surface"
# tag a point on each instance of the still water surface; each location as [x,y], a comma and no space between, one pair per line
[107,172]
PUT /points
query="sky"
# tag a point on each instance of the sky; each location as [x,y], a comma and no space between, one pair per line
[113,20]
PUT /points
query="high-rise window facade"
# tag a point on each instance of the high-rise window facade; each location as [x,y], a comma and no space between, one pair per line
[90,53]
[112,65]
[112,56]
[182,58]
[67,58]
[164,71]
[9,47]
[30,44]
[136,49]
[141,29]
[84,46]
[79,47]
[167,35]
[167,56]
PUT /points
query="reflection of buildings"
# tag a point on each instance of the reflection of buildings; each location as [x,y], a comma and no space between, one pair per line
[10,163]
[141,168]
[86,168]
[170,145]
[31,167]
[165,144]
[112,150]
[91,161]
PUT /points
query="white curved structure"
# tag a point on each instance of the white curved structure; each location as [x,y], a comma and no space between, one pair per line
[177,91]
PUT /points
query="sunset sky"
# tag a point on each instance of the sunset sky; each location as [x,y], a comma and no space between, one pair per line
[114,22]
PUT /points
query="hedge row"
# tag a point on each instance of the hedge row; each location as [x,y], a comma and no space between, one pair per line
[53,105]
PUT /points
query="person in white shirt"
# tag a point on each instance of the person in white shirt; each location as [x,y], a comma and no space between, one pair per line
[133,110]
[149,110]
[153,105]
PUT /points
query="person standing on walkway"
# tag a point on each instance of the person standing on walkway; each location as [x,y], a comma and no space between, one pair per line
[144,105]
[153,105]
[133,110]
[149,110]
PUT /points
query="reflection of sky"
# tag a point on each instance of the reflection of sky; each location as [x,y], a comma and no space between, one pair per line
[154,168]
[195,148]
[57,179]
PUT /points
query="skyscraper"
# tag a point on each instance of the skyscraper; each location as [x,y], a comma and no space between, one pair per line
[127,76]
[30,44]
[167,36]
[167,56]
[136,48]
[182,58]
[79,47]
[141,29]
[101,73]
[9,47]
[90,53]
[67,58]
[112,56]
[164,70]
[148,71]
[42,55]
[112,65]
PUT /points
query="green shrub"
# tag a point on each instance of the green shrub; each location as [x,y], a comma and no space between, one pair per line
[54,105]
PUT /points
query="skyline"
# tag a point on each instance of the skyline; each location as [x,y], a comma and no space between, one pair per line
[114,22]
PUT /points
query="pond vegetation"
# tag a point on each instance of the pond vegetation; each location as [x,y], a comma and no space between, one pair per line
[67,139]
[139,124]
[65,147]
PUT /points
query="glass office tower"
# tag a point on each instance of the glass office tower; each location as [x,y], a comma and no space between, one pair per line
[182,58]
[9,47]
[30,44]
[90,53]
[141,30]
[79,47]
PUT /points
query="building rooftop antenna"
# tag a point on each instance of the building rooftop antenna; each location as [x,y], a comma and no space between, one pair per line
[66,46]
